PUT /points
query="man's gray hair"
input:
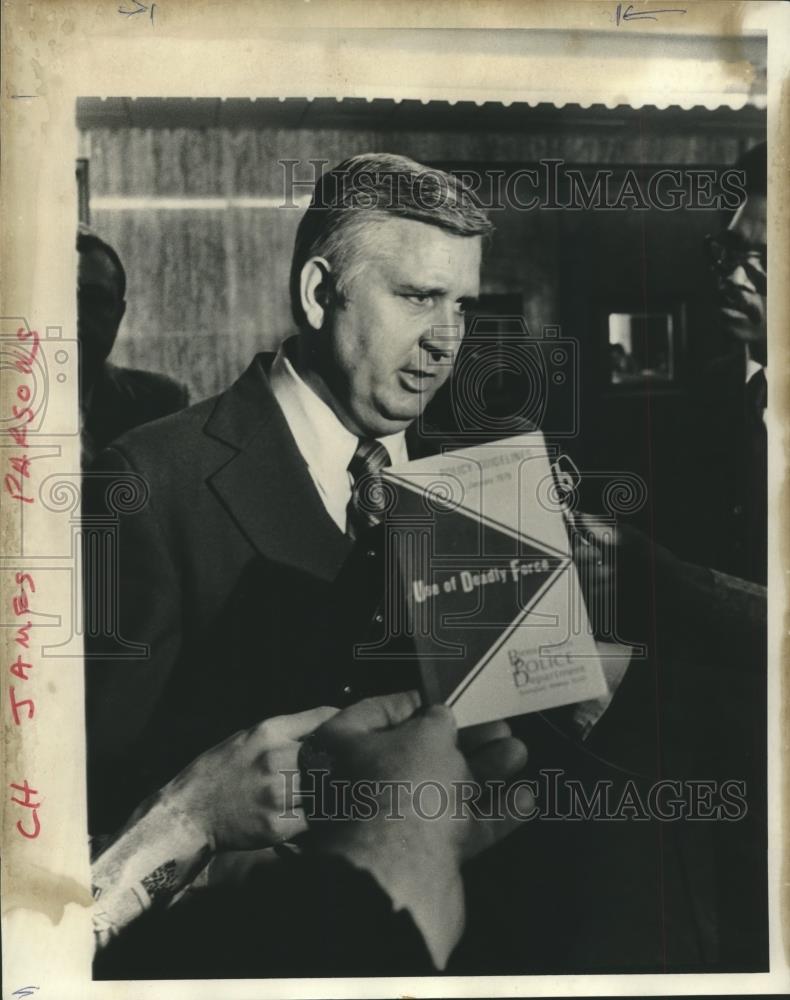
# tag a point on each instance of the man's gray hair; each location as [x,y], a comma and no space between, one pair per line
[352,200]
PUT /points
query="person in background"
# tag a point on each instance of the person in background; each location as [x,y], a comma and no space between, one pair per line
[112,399]
[733,393]
[722,589]
[707,615]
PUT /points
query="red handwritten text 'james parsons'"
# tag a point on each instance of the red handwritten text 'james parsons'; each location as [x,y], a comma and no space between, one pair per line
[15,483]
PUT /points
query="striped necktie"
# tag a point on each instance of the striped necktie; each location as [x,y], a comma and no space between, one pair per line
[368,501]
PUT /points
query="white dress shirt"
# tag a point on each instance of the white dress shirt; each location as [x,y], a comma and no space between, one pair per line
[752,367]
[324,443]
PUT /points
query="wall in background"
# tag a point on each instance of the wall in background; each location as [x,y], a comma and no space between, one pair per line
[193,206]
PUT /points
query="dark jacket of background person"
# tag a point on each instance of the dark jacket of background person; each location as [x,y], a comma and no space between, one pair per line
[123,398]
[728,475]
[112,399]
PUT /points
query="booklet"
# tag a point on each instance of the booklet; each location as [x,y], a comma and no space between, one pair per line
[492,597]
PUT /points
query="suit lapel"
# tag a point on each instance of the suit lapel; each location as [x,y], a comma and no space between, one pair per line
[266,487]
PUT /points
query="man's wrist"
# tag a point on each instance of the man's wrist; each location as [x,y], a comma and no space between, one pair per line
[186,799]
[417,869]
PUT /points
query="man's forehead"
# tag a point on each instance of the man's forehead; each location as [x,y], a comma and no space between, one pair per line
[749,222]
[419,249]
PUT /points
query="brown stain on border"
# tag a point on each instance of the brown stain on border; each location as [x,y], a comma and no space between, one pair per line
[36,889]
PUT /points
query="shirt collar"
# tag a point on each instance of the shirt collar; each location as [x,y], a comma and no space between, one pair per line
[325,444]
[752,366]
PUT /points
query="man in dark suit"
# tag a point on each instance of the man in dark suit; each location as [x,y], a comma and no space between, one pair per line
[386,258]
[704,616]
[266,483]
[733,394]
[112,399]
[733,542]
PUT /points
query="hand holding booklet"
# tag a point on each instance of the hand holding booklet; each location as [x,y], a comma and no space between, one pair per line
[492,596]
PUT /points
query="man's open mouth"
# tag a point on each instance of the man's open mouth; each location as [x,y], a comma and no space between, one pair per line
[415,379]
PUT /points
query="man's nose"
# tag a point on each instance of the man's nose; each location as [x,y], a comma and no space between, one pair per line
[738,278]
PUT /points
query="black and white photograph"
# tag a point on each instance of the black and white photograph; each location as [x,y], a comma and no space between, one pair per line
[399,474]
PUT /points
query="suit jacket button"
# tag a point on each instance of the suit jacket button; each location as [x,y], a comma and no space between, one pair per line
[737,510]
[370,553]
[347,689]
[378,618]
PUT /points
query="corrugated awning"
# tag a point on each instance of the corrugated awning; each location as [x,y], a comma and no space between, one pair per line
[387,114]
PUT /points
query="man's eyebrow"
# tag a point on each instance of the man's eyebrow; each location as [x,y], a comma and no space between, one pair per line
[738,240]
[409,288]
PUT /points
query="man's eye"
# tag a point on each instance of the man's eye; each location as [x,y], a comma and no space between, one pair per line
[419,299]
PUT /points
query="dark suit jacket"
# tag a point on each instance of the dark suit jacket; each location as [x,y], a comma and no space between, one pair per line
[728,476]
[123,398]
[229,499]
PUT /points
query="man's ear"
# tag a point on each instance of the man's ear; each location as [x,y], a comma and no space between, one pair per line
[315,289]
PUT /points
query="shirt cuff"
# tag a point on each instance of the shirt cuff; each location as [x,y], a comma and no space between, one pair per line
[154,858]
[614,661]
